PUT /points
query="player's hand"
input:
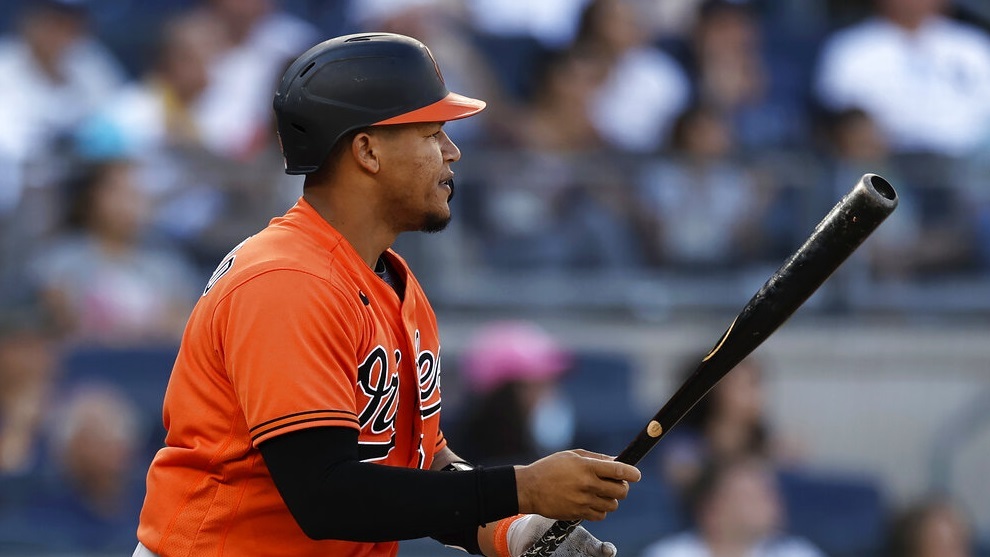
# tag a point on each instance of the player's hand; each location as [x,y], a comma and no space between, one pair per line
[573,485]
[524,532]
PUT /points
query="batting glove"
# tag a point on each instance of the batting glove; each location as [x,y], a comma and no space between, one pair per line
[513,536]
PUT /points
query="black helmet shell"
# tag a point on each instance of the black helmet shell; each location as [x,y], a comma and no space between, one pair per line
[354,81]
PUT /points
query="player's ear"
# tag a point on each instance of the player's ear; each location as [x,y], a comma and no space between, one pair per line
[365,149]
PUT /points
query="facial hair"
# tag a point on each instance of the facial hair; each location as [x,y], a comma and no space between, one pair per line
[434,222]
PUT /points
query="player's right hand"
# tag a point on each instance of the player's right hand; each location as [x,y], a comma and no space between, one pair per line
[573,485]
[528,529]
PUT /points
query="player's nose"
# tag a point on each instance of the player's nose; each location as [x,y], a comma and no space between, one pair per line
[450,151]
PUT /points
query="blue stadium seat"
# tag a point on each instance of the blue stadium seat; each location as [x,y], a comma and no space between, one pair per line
[650,512]
[53,520]
[140,373]
[515,60]
[983,548]
[15,490]
[600,387]
[427,547]
[844,514]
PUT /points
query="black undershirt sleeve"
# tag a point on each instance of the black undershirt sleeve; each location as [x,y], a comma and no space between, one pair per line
[333,495]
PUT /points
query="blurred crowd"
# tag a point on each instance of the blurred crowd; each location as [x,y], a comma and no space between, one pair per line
[689,136]
[695,136]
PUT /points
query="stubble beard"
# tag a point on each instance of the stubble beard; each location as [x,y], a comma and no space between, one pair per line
[434,223]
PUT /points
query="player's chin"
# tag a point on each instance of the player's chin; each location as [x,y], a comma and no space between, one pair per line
[435,221]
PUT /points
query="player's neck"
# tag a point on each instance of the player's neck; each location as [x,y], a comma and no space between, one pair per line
[356,223]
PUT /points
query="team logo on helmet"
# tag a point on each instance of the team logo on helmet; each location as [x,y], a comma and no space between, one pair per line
[435,66]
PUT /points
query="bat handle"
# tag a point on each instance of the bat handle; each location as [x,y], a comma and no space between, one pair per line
[552,538]
[558,532]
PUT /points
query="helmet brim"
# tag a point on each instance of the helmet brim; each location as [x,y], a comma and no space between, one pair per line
[451,107]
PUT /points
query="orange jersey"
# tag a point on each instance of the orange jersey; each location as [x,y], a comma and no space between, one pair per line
[293,331]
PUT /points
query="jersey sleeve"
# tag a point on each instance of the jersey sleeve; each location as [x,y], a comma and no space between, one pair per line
[288,340]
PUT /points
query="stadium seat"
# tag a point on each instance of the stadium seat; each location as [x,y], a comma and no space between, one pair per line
[140,373]
[514,59]
[649,513]
[844,514]
[600,387]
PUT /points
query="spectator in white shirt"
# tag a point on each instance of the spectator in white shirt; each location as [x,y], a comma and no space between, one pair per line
[737,513]
[645,89]
[53,72]
[552,22]
[923,77]
[262,39]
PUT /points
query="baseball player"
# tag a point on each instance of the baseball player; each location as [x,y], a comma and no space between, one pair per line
[303,411]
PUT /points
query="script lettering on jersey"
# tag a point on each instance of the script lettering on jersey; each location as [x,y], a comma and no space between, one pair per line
[428,365]
[380,383]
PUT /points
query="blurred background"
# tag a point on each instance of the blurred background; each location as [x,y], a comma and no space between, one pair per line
[642,168]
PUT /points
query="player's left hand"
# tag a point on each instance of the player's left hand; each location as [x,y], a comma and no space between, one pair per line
[527,530]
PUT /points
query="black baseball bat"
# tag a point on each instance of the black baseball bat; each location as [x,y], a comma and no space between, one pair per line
[842,230]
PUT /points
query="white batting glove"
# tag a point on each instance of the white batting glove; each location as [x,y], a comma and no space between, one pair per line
[526,530]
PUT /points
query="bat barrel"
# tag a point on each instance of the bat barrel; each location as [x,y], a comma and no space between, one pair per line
[835,238]
[845,227]
[882,191]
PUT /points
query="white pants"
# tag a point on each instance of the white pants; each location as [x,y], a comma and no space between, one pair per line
[142,551]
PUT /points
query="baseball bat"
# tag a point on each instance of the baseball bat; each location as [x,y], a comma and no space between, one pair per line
[842,230]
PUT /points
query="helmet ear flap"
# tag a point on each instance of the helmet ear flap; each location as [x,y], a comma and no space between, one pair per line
[336,152]
[299,147]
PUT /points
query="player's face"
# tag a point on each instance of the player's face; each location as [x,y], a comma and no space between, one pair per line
[416,172]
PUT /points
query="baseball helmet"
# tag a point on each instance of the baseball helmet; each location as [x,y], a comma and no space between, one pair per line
[354,81]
